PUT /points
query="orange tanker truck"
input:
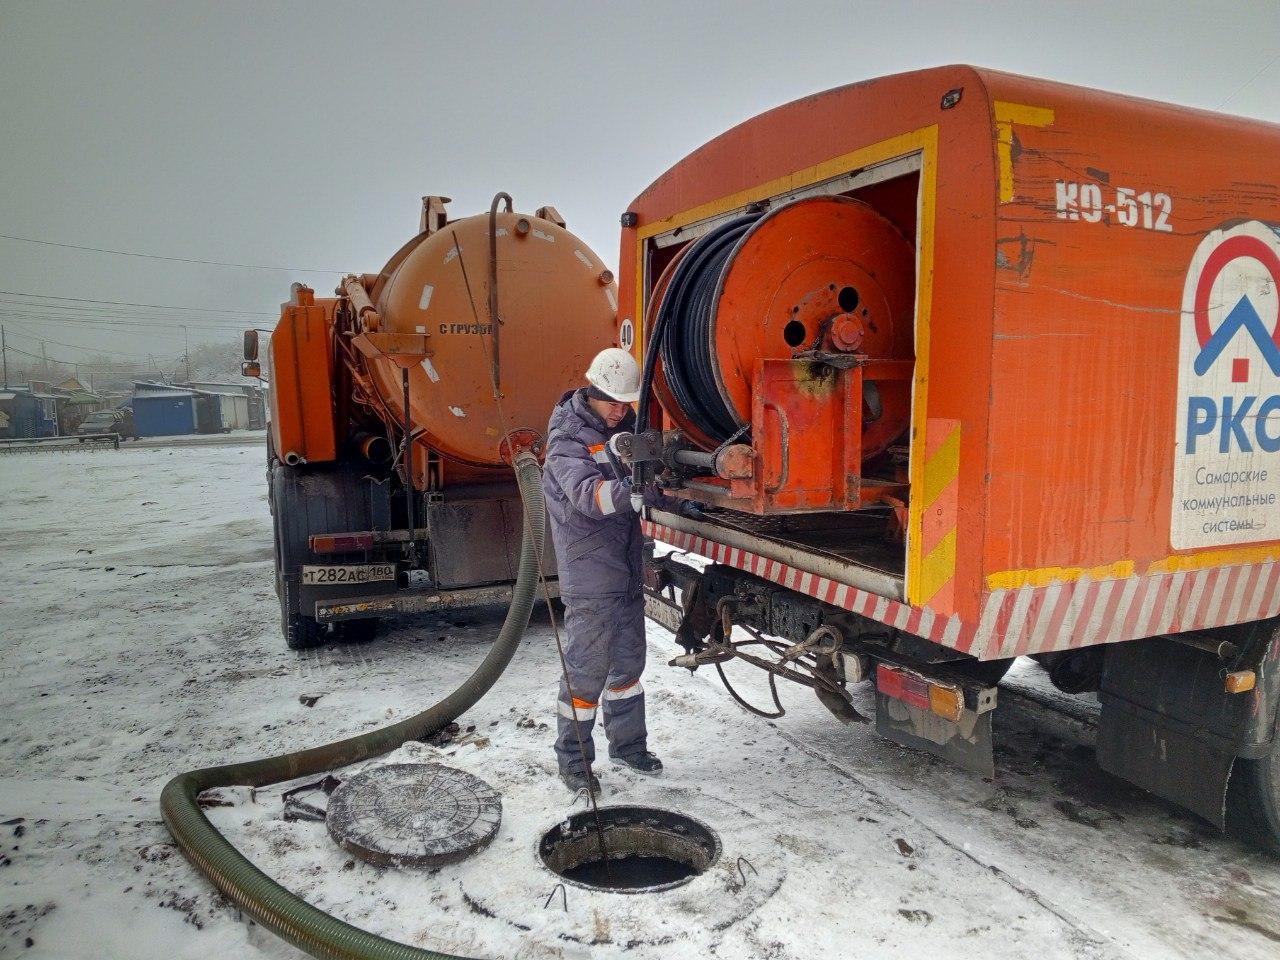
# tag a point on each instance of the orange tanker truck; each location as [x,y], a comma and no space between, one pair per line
[967,366]
[398,406]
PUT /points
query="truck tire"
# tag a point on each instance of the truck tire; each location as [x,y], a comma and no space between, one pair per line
[302,633]
[1253,800]
[306,501]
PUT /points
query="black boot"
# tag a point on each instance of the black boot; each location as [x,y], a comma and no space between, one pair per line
[642,762]
[577,781]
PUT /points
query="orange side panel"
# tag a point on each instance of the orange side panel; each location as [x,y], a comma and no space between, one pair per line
[1107,201]
[302,412]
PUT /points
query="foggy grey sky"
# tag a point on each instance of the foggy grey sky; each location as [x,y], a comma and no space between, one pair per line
[302,135]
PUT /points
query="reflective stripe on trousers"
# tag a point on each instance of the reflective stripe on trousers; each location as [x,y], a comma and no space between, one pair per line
[578,710]
[605,654]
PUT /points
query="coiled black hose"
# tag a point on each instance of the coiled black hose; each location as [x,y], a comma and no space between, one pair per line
[683,330]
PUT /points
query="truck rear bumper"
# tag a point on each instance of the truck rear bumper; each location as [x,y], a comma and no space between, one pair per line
[415,601]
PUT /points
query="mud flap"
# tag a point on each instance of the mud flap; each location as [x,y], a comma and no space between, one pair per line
[1151,752]
[1169,727]
[965,741]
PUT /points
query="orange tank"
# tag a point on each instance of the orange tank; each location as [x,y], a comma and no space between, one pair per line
[398,405]
[428,313]
[557,306]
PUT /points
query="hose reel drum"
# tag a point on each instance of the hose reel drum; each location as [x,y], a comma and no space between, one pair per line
[788,334]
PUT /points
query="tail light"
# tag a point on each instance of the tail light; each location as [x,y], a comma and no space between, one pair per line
[341,542]
[944,699]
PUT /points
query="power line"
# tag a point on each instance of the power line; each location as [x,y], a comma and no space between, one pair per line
[152,256]
[121,303]
[35,337]
[107,321]
[65,363]
[128,329]
[1240,89]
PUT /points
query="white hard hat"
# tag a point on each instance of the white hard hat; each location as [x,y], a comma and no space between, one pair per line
[615,372]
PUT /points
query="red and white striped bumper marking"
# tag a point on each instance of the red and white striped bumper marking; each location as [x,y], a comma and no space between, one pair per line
[922,622]
[1039,620]
[1028,620]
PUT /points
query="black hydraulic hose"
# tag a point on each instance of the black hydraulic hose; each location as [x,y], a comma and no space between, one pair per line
[683,329]
[267,902]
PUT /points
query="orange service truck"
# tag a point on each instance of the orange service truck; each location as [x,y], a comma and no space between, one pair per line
[966,366]
[399,403]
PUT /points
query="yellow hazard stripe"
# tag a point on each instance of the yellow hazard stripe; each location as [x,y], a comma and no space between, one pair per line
[939,566]
[939,499]
[942,468]
[1007,114]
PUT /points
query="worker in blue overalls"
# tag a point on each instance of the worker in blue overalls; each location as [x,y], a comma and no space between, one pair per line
[595,527]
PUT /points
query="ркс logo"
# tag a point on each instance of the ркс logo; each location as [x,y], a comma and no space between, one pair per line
[1226,468]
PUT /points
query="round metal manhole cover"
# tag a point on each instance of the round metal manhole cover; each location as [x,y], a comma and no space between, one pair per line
[414,815]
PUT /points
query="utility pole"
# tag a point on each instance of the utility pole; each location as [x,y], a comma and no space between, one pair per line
[186,352]
[4,350]
[45,354]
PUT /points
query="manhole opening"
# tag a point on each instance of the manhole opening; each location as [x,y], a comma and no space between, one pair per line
[646,849]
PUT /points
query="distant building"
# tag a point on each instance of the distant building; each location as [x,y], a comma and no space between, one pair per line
[163,410]
[167,410]
[27,413]
[74,404]
[255,418]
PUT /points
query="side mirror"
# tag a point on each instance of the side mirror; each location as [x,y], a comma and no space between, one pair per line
[251,368]
[251,346]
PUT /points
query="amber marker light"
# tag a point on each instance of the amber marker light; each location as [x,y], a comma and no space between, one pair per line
[946,702]
[1242,681]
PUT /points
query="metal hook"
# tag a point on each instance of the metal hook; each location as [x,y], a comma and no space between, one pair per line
[741,873]
[564,897]
[582,792]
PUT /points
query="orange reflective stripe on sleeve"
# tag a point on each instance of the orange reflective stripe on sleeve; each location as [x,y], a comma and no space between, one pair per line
[604,497]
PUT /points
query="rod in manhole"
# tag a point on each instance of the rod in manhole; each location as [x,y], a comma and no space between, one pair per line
[647,849]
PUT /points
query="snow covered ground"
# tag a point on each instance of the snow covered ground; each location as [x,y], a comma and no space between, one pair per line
[139,638]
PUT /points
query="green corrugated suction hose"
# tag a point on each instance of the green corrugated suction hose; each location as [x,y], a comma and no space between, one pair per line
[267,902]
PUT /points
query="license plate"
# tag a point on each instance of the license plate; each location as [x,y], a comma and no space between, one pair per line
[351,573]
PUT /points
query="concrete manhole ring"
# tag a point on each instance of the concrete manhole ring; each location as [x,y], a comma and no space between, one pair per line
[530,897]
[413,815]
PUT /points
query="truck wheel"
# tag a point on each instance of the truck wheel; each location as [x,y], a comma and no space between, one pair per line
[307,501]
[1253,800]
[301,633]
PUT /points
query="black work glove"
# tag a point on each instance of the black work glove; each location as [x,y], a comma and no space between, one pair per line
[692,510]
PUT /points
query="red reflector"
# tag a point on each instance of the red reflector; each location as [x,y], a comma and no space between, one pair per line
[341,542]
[895,683]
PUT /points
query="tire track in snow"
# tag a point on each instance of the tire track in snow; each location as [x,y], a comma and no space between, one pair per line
[1086,932]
